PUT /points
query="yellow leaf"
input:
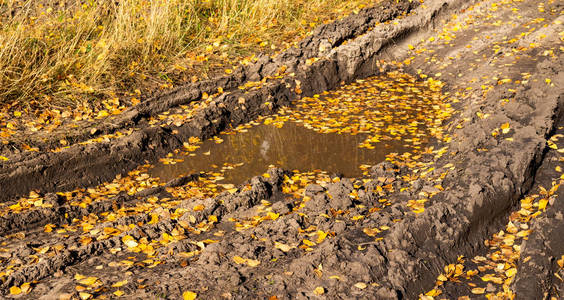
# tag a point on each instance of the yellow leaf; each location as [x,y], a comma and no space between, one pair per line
[283,247]
[84,295]
[308,242]
[360,285]
[273,216]
[79,276]
[188,295]
[120,283]
[103,113]
[371,231]
[239,260]
[478,290]
[49,227]
[433,293]
[3,158]
[26,287]
[319,290]
[542,203]
[418,211]
[154,219]
[505,128]
[321,236]
[253,262]
[89,281]
[15,290]
[511,272]
[119,293]
[129,241]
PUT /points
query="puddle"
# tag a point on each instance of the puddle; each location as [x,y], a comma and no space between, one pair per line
[291,147]
[336,132]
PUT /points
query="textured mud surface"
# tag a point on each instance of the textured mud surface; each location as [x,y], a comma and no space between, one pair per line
[471,209]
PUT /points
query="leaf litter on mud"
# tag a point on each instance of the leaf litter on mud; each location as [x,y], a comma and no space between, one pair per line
[383,111]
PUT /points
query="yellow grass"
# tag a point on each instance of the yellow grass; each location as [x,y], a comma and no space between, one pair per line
[67,52]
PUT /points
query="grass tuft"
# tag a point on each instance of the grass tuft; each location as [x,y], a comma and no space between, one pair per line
[64,53]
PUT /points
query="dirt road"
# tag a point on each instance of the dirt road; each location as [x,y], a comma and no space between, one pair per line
[466,95]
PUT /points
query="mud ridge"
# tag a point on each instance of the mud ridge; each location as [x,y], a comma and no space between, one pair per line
[481,176]
[261,189]
[79,164]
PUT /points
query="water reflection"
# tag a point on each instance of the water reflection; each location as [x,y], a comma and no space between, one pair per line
[290,147]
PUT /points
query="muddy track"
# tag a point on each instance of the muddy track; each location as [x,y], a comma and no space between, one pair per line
[482,172]
[78,165]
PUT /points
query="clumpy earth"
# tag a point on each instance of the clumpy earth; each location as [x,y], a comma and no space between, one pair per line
[468,209]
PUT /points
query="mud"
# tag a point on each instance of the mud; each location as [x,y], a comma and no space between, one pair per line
[385,234]
[291,147]
[86,165]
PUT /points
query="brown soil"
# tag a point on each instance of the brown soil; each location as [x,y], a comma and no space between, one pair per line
[284,234]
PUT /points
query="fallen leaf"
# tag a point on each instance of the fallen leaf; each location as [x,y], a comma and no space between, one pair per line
[120,283]
[15,290]
[26,287]
[253,262]
[505,128]
[360,285]
[510,272]
[89,281]
[188,295]
[84,295]
[283,247]
[239,260]
[319,290]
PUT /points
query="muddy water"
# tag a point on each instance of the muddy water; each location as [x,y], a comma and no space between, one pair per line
[290,147]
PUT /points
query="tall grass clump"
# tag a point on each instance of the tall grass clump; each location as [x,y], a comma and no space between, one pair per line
[64,52]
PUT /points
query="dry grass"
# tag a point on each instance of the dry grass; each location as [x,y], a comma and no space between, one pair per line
[61,53]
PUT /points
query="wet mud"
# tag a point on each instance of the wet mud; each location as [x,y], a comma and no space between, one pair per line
[472,210]
[290,147]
